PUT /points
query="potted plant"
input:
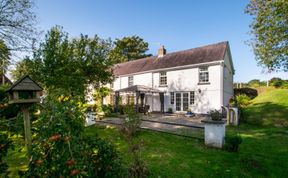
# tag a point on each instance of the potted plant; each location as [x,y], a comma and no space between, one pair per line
[215,115]
[170,110]
[189,112]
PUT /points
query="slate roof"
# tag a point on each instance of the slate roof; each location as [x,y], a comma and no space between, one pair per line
[204,54]
[25,83]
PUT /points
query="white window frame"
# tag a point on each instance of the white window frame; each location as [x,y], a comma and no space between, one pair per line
[130,81]
[172,98]
[163,79]
[192,98]
[185,98]
[203,75]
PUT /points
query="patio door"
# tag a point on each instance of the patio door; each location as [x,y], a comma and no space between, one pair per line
[185,101]
[182,101]
[178,101]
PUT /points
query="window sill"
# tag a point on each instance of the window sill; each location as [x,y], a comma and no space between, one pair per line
[204,83]
[163,85]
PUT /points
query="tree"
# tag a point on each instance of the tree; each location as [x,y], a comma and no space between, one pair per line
[23,67]
[70,65]
[254,83]
[100,93]
[4,57]
[276,82]
[17,23]
[270,30]
[128,49]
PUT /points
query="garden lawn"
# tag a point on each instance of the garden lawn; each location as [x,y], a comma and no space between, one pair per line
[269,108]
[263,153]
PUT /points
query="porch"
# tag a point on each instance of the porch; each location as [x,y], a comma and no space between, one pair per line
[145,99]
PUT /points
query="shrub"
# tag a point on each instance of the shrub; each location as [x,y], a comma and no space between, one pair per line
[232,143]
[7,111]
[215,115]
[137,168]
[132,122]
[60,150]
[5,144]
[240,101]
[250,92]
[107,109]
[170,110]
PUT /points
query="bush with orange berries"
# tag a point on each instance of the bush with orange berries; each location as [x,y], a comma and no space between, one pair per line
[60,149]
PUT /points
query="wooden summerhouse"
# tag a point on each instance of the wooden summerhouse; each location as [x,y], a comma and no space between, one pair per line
[25,90]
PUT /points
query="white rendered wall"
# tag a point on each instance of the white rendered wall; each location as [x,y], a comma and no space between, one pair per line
[227,81]
[186,80]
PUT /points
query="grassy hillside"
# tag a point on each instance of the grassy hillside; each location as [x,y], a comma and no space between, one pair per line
[268,108]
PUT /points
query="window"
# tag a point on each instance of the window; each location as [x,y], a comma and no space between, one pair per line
[203,75]
[178,101]
[163,79]
[192,97]
[130,99]
[185,102]
[130,81]
[172,97]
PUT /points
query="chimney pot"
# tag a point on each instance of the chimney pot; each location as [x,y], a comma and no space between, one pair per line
[161,51]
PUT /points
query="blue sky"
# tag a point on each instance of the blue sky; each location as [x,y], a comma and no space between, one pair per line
[178,25]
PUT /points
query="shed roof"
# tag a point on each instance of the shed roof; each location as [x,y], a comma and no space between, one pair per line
[204,54]
[25,83]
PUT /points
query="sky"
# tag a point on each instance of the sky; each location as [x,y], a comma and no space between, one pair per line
[176,24]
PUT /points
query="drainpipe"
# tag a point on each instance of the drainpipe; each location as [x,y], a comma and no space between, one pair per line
[221,83]
[152,95]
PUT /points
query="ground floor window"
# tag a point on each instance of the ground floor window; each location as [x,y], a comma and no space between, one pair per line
[192,97]
[178,101]
[130,99]
[172,97]
[185,102]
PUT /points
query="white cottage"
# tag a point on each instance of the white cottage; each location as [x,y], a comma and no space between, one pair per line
[199,79]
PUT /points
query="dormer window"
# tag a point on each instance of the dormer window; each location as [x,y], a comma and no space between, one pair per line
[130,81]
[163,79]
[203,75]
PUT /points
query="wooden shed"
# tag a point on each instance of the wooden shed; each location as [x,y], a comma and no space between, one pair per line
[24,90]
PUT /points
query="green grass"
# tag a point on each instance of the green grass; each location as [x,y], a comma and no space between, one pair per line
[268,109]
[263,153]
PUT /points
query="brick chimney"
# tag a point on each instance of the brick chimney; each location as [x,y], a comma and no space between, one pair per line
[161,51]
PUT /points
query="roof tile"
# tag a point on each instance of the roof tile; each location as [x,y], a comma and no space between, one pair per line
[209,53]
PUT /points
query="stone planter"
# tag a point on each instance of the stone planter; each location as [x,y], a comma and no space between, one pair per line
[214,132]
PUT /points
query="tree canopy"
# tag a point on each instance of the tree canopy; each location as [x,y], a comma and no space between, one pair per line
[4,57]
[128,49]
[270,30]
[17,23]
[69,65]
